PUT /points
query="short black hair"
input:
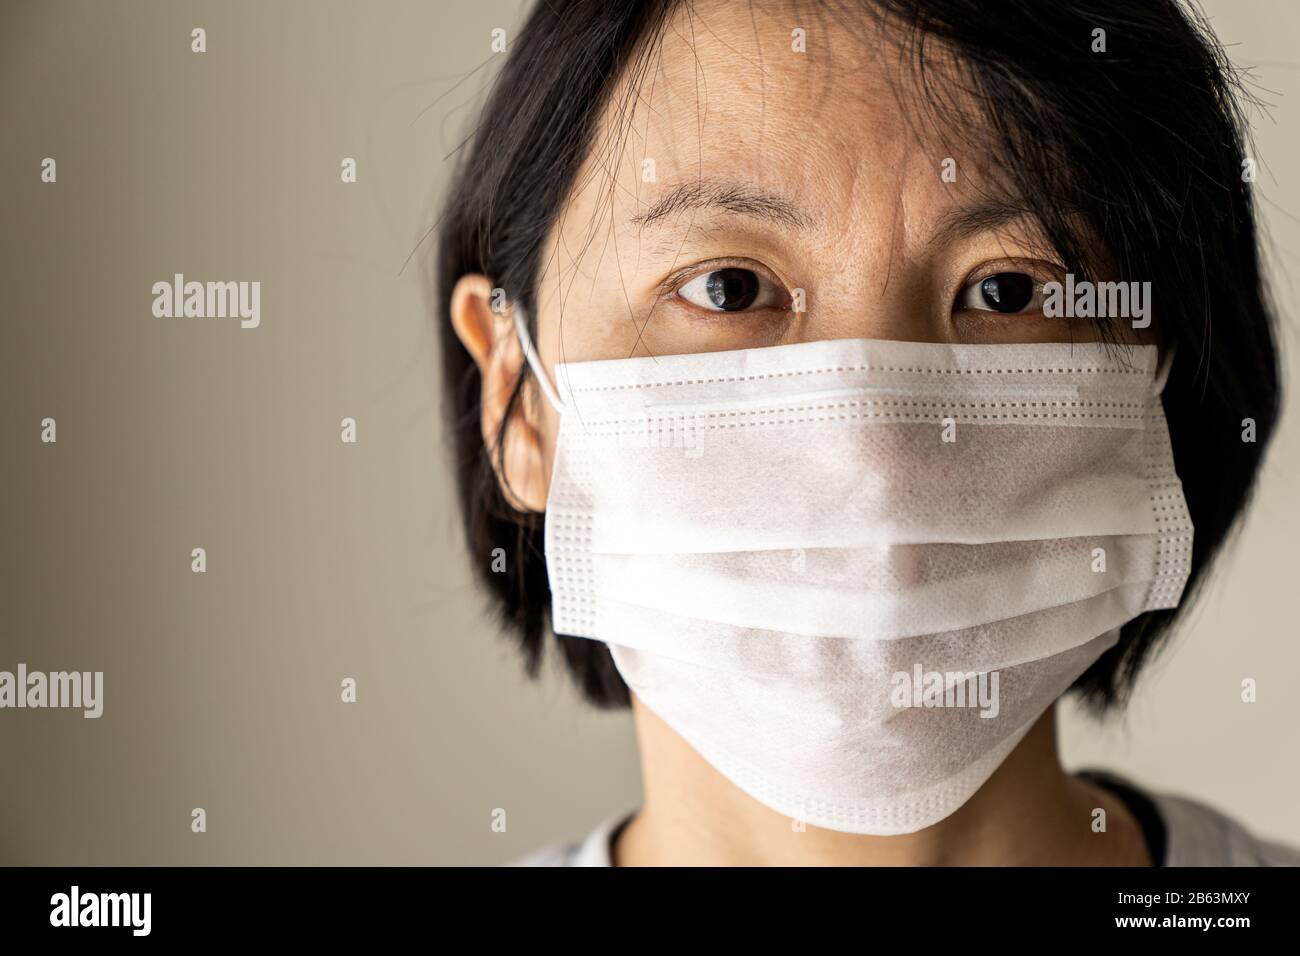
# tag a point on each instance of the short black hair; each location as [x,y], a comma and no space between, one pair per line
[1135,154]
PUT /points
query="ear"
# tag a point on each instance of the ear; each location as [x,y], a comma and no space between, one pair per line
[489,336]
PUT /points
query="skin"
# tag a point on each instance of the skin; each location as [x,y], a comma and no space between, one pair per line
[883,247]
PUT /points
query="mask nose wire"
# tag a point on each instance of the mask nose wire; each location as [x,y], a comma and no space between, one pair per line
[534,361]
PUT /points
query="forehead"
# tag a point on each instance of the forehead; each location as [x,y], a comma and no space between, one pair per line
[767,88]
[823,109]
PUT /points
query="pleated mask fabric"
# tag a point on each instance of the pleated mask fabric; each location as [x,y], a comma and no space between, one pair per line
[851,573]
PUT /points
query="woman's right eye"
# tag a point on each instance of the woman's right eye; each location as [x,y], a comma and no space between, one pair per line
[731,289]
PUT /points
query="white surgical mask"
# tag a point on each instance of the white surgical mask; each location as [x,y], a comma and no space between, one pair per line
[852,574]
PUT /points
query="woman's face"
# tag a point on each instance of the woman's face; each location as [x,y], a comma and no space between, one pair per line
[741,194]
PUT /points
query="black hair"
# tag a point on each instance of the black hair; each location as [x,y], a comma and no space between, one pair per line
[1135,155]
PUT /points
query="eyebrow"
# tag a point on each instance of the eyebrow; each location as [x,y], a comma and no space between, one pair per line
[727,197]
[989,215]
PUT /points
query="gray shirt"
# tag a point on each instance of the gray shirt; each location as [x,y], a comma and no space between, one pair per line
[1193,835]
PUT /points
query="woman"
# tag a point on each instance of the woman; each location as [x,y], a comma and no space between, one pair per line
[853,436]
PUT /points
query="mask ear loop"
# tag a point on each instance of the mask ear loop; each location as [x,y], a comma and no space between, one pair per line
[1162,371]
[534,361]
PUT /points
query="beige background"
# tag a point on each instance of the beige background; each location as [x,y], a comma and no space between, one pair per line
[328,560]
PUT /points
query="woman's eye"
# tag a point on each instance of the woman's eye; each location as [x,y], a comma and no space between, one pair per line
[1006,292]
[730,290]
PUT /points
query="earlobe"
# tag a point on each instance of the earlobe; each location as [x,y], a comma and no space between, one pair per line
[490,339]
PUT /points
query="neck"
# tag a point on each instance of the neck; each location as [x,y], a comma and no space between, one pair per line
[1029,813]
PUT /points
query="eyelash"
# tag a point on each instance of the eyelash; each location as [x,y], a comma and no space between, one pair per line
[1039,270]
[671,287]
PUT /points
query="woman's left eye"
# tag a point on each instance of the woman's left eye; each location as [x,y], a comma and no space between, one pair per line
[731,289]
[1011,293]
